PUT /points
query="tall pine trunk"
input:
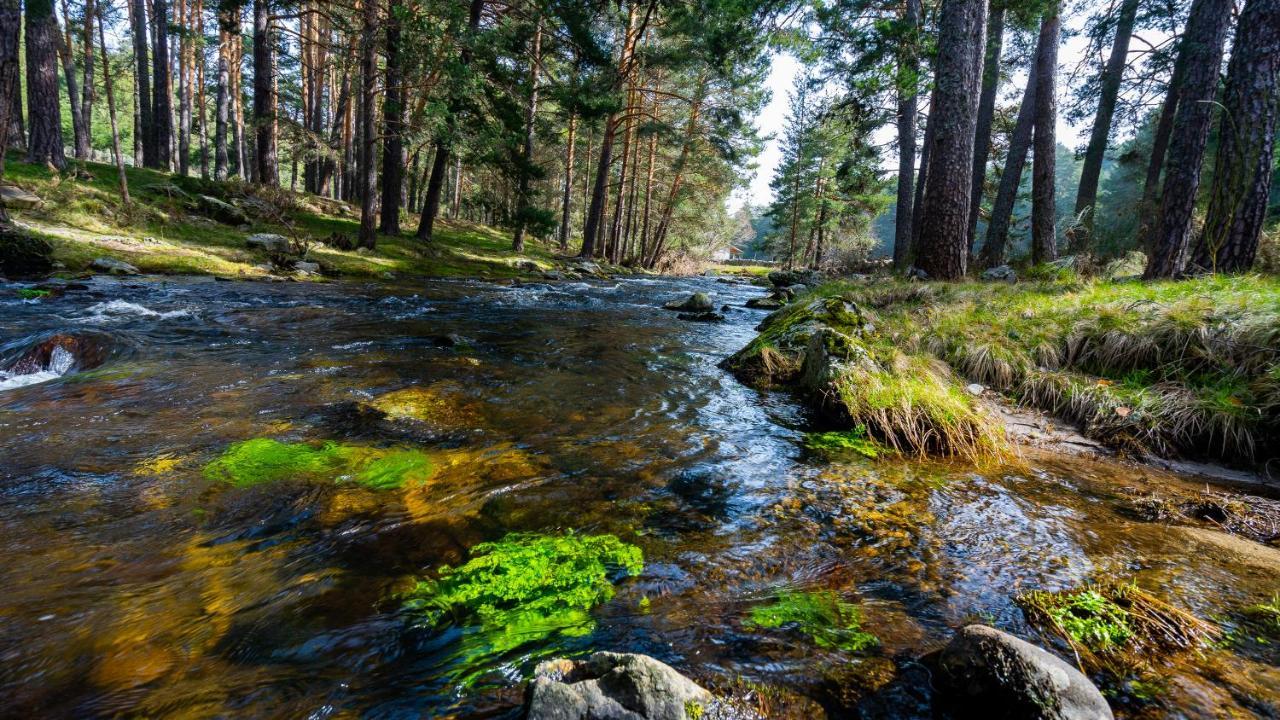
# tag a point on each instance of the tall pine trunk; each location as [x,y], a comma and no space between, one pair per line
[568,183]
[1247,131]
[1200,54]
[86,85]
[185,94]
[264,97]
[595,212]
[222,104]
[993,249]
[523,197]
[393,114]
[144,129]
[944,216]
[1087,195]
[908,89]
[986,114]
[66,53]
[111,108]
[10,86]
[162,84]
[368,132]
[44,114]
[1044,233]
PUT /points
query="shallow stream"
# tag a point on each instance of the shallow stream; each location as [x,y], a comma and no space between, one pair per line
[135,586]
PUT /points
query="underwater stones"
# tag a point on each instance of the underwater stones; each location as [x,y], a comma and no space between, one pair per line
[991,674]
[22,255]
[613,686]
[1000,273]
[695,303]
[15,198]
[112,266]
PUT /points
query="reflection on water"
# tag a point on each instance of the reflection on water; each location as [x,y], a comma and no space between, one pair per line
[135,585]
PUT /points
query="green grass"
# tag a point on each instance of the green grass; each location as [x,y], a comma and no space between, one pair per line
[1267,615]
[159,233]
[821,616]
[263,460]
[1088,617]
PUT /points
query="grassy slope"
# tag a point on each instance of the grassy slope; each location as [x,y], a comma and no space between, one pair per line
[1188,367]
[85,219]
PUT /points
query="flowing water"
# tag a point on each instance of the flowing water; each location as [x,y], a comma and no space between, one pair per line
[135,586]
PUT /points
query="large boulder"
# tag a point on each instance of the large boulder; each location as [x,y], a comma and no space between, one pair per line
[22,255]
[695,303]
[221,211]
[112,266]
[991,674]
[787,278]
[15,198]
[270,242]
[613,686]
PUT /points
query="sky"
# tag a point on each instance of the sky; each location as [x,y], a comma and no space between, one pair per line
[786,69]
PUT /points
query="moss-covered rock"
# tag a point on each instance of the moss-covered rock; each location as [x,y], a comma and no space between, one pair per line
[22,255]
[263,460]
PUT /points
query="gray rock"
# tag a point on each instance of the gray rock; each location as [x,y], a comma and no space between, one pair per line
[112,266]
[1010,678]
[613,686]
[829,354]
[588,267]
[915,273]
[528,266]
[696,303]
[787,278]
[269,242]
[1000,272]
[701,317]
[223,212]
[15,198]
[765,303]
[307,268]
[168,189]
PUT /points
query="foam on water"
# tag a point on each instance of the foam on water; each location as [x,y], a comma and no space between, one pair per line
[60,361]
[119,310]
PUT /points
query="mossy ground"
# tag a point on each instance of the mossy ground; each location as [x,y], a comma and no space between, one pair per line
[820,615]
[263,460]
[159,233]
[1170,368]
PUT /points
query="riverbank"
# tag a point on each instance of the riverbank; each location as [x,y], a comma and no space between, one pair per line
[176,225]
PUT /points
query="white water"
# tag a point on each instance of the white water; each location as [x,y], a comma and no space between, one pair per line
[117,310]
[60,361]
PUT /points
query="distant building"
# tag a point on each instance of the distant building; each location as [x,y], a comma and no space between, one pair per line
[729,253]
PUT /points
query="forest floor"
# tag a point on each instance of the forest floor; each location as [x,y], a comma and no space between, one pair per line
[186,225]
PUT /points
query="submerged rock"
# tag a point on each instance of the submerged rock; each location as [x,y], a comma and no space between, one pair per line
[112,266]
[613,686]
[696,303]
[991,674]
[23,255]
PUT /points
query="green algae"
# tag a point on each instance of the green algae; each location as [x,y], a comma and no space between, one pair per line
[1088,617]
[855,440]
[263,460]
[33,293]
[822,616]
[1267,615]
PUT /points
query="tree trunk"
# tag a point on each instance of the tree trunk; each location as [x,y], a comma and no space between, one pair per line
[10,87]
[393,114]
[986,113]
[202,110]
[530,114]
[111,108]
[144,130]
[44,114]
[1243,169]
[1002,208]
[1201,56]
[908,89]
[455,207]
[162,84]
[222,109]
[184,9]
[1112,74]
[668,210]
[1044,235]
[944,216]
[368,129]
[66,53]
[922,176]
[264,97]
[1149,209]
[431,205]
[568,183]
[595,213]
[615,233]
[86,85]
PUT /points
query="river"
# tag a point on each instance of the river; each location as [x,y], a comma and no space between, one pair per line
[136,586]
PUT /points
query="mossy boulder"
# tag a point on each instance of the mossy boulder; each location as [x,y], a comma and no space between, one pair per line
[695,303]
[22,255]
[220,210]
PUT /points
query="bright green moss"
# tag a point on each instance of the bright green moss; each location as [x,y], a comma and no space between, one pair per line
[520,590]
[823,616]
[263,460]
[1088,617]
[1267,614]
[32,293]
[855,440]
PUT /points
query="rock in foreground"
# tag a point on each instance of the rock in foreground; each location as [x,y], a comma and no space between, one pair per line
[990,674]
[613,686]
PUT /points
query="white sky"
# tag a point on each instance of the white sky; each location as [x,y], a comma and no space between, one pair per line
[786,69]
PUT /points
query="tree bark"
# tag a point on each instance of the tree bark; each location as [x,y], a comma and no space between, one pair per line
[185,89]
[111,108]
[1149,209]
[66,53]
[393,114]
[264,97]
[530,115]
[144,130]
[922,177]
[1201,55]
[568,183]
[908,87]
[1112,74]
[993,249]
[944,219]
[1044,232]
[986,114]
[431,205]
[1243,168]
[86,85]
[10,86]
[368,132]
[162,84]
[222,104]
[44,114]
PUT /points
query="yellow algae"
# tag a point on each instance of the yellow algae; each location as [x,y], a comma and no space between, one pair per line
[162,464]
[435,405]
